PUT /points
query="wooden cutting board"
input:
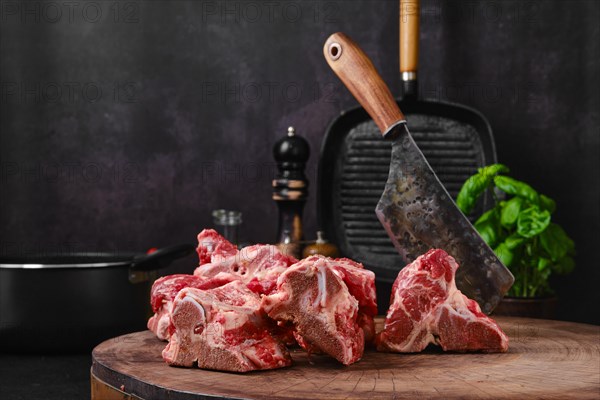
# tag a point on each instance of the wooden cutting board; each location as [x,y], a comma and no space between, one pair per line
[546,359]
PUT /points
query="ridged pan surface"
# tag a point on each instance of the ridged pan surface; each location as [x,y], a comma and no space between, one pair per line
[354,167]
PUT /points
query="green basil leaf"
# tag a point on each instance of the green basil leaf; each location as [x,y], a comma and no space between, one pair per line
[565,265]
[475,185]
[493,170]
[488,226]
[517,188]
[510,212]
[470,192]
[514,241]
[488,233]
[556,242]
[547,203]
[504,254]
[543,264]
[487,216]
[532,222]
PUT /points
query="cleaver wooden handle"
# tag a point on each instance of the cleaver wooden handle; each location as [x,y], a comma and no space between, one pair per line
[359,75]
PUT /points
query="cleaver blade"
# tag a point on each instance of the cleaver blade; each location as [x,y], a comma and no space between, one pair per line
[418,213]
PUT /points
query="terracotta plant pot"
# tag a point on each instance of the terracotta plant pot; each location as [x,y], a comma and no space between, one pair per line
[536,307]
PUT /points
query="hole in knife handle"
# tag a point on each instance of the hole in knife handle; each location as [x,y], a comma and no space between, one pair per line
[335,51]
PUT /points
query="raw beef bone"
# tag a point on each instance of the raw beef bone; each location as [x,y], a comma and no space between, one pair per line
[361,284]
[165,288]
[213,247]
[223,329]
[258,266]
[426,307]
[313,296]
[164,291]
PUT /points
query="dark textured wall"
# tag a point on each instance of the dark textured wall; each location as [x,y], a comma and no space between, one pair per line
[123,124]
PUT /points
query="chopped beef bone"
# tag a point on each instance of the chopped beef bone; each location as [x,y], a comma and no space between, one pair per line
[159,323]
[312,295]
[162,294]
[361,284]
[283,331]
[426,307]
[213,247]
[165,289]
[306,345]
[367,324]
[258,266]
[223,329]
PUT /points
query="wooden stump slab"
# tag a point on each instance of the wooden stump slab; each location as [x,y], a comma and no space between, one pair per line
[546,359]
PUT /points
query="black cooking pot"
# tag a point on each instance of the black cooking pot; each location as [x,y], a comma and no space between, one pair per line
[71,302]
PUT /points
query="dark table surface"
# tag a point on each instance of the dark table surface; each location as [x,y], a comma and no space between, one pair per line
[45,377]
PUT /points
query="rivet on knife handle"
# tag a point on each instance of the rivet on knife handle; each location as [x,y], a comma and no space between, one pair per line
[359,75]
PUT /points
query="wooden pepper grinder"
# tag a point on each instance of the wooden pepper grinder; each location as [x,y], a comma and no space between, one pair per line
[290,190]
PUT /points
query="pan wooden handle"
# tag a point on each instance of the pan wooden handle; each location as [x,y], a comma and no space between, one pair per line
[409,39]
[359,75]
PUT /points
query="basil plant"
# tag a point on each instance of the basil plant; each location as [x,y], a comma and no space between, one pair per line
[520,230]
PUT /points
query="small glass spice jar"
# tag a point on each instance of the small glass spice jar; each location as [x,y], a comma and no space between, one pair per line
[227,223]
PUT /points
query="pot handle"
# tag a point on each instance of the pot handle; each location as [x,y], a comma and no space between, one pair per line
[161,258]
[409,46]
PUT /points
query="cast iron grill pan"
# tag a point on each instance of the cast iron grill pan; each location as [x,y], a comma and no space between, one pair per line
[354,167]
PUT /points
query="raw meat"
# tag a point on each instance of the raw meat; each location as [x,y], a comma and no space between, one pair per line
[213,247]
[361,284]
[426,307]
[257,266]
[164,291]
[360,281]
[223,329]
[313,296]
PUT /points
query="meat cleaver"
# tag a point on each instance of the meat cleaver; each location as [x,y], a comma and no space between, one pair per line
[415,209]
